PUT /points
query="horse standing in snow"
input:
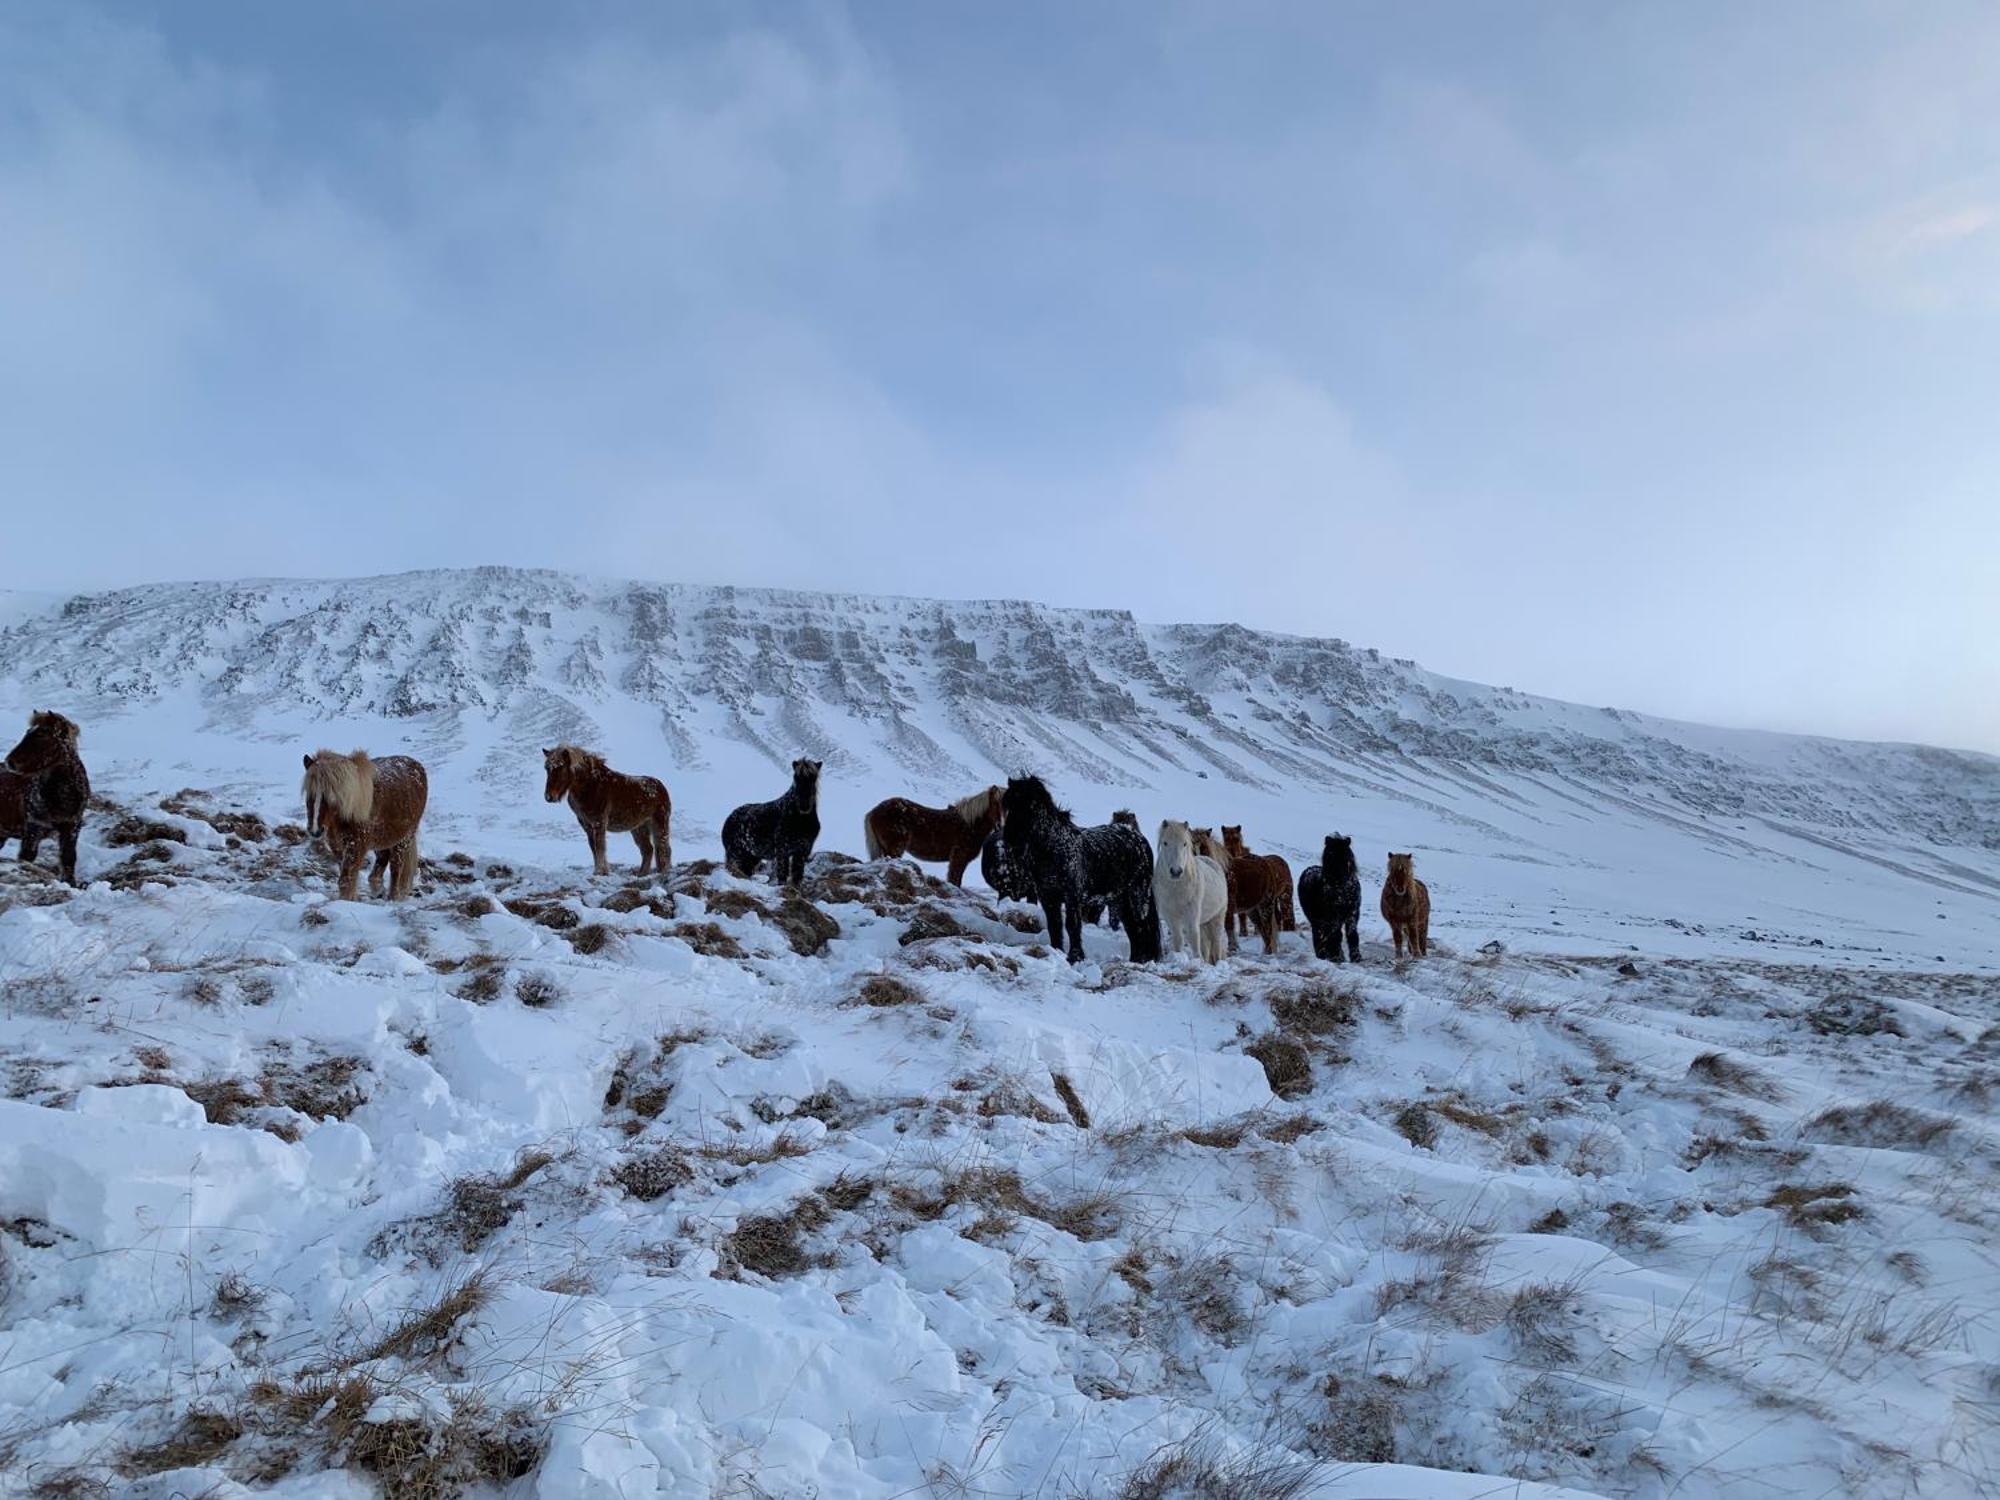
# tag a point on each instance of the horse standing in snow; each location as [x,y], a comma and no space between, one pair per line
[1192,894]
[1252,888]
[1330,894]
[954,834]
[1068,865]
[608,801]
[1406,906]
[1232,839]
[44,789]
[782,830]
[360,807]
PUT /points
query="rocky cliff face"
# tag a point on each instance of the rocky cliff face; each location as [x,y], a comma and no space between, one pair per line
[929,693]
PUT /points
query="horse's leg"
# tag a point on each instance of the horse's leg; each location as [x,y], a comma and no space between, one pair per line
[663,845]
[31,843]
[956,874]
[379,872]
[351,860]
[598,863]
[642,836]
[66,846]
[1353,939]
[1073,927]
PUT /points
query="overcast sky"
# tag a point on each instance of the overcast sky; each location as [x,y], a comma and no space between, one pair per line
[1637,354]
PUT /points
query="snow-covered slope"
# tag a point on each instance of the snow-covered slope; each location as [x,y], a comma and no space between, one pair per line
[1671,1173]
[1530,815]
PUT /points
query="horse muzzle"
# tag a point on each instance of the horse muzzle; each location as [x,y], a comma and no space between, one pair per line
[1176,871]
[552,796]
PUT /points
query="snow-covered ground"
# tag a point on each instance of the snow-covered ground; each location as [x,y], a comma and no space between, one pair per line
[576,1186]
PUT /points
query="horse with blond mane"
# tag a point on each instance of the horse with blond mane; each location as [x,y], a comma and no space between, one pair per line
[358,806]
[1192,894]
[952,835]
[607,801]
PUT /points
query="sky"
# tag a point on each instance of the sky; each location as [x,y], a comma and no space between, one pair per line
[1642,355]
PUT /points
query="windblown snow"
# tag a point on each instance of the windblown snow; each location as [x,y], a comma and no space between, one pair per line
[1671,1172]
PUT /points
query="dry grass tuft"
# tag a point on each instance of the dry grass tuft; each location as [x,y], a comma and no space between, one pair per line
[537,991]
[786,1145]
[594,937]
[885,990]
[1809,1208]
[1072,1101]
[1726,1072]
[709,940]
[1197,1471]
[1880,1123]
[487,980]
[653,1174]
[1541,1316]
[201,1438]
[1415,1123]
[1287,1068]
[428,1331]
[1315,1009]
[805,926]
[769,1244]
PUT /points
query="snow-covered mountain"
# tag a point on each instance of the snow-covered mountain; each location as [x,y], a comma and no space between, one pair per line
[717,688]
[1670,1172]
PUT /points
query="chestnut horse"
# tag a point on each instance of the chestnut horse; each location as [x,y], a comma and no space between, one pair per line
[361,807]
[1252,888]
[608,801]
[1287,921]
[954,834]
[44,789]
[1406,907]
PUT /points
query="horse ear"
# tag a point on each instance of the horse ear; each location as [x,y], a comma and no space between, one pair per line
[309,762]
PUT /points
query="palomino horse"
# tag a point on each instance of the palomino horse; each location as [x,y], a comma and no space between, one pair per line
[1232,839]
[361,807]
[608,801]
[44,789]
[1406,907]
[1192,894]
[1253,888]
[954,834]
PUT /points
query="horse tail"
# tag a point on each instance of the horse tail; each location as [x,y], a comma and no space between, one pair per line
[869,836]
[403,868]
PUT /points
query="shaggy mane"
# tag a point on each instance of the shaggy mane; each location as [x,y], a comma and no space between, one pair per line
[579,759]
[345,783]
[66,729]
[975,808]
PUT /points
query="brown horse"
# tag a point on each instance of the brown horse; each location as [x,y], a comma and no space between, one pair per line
[361,807]
[1251,888]
[954,834]
[608,801]
[1232,839]
[44,789]
[1406,907]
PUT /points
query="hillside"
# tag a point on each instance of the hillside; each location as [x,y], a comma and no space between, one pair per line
[1672,1173]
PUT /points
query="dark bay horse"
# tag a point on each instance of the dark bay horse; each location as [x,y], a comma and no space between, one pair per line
[1232,839]
[1253,888]
[952,834]
[608,801]
[44,789]
[360,807]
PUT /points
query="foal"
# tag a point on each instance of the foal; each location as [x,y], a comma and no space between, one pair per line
[608,801]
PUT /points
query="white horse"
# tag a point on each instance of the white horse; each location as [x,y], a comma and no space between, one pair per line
[1192,894]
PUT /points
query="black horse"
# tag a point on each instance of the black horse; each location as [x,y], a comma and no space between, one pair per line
[1330,895]
[1007,878]
[45,790]
[1067,866]
[782,830]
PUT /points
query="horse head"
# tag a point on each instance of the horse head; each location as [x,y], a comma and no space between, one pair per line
[1337,856]
[50,739]
[562,772]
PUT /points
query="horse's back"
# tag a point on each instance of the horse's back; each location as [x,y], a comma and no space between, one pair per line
[402,788]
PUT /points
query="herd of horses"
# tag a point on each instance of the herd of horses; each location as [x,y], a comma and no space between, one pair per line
[1193,892]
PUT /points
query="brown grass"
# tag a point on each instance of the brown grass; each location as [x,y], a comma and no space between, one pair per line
[201,1438]
[769,1244]
[885,990]
[1415,1123]
[537,991]
[1880,1123]
[428,1331]
[1072,1101]
[709,940]
[651,1175]
[593,937]
[1726,1072]
[1287,1068]
[1809,1208]
[1315,1009]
